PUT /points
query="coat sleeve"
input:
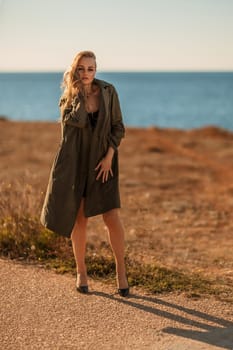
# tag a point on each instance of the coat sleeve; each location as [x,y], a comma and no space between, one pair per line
[117,126]
[75,114]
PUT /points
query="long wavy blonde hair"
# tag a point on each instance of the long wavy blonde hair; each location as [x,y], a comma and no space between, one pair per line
[70,78]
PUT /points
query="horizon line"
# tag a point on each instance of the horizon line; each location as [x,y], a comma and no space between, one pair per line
[125,71]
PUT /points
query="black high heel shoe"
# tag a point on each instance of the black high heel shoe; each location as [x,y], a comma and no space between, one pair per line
[123,292]
[82,289]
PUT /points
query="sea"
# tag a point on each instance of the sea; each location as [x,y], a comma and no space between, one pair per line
[183,100]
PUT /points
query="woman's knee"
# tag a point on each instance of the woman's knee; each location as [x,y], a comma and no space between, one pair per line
[81,218]
[79,226]
[110,216]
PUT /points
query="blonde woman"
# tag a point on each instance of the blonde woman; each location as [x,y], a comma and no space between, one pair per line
[84,176]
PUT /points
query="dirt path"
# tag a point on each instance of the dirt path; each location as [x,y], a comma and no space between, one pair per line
[42,310]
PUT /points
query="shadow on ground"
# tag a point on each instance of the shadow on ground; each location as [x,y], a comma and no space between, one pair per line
[220,333]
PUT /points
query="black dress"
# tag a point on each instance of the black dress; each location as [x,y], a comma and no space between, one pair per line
[92,117]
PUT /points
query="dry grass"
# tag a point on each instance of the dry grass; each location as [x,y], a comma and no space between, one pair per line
[177,207]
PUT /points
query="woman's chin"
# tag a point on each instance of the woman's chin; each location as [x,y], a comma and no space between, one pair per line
[86,81]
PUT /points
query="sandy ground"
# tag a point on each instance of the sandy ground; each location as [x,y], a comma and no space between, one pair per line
[42,310]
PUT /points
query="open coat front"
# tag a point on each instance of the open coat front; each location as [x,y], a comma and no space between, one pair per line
[80,150]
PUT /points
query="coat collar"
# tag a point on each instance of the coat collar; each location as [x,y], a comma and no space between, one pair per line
[103,84]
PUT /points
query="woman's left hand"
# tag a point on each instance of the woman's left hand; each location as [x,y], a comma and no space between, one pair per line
[104,167]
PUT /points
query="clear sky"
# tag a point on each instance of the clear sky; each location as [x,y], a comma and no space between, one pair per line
[42,35]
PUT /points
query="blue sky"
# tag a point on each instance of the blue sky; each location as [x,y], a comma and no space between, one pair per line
[132,35]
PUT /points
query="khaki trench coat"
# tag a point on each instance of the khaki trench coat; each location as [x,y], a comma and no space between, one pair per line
[79,152]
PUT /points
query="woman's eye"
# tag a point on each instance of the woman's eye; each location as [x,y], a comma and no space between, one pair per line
[82,70]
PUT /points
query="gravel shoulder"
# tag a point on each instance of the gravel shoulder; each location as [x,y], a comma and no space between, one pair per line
[42,310]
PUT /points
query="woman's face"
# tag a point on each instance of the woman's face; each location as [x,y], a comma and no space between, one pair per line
[86,70]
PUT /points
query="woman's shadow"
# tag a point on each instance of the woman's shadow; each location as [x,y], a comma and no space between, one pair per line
[220,333]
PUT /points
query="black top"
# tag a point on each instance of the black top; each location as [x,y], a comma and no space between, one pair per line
[93,116]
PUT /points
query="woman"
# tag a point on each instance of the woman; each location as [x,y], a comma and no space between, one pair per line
[84,176]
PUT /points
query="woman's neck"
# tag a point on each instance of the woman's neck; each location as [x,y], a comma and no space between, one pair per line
[87,90]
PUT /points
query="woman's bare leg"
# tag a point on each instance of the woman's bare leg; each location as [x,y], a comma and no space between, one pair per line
[78,237]
[116,237]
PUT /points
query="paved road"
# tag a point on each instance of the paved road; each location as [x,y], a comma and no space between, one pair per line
[42,310]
